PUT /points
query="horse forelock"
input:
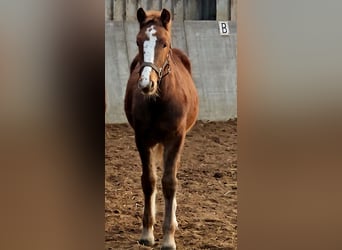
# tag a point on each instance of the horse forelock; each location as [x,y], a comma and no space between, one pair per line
[152,21]
[161,31]
[153,17]
[152,13]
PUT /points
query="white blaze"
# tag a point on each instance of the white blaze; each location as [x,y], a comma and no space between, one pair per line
[149,46]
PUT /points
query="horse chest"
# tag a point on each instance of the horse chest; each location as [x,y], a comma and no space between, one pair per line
[158,118]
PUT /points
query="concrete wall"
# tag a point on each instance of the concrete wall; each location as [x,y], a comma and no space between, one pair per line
[213,60]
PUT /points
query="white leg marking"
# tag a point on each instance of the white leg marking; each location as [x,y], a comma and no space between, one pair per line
[153,205]
[149,46]
[169,237]
[174,208]
[147,234]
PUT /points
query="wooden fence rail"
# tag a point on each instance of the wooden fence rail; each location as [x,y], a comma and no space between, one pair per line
[119,10]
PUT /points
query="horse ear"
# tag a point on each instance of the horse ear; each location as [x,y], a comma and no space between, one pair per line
[141,15]
[165,17]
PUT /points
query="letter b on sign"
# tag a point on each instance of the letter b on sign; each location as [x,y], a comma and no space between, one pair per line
[224,28]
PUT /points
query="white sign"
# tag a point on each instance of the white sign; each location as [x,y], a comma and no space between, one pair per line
[224,28]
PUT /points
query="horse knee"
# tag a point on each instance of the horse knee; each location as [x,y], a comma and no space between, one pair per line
[169,184]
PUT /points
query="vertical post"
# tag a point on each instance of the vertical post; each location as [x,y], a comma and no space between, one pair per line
[178,10]
[144,4]
[150,4]
[131,10]
[192,9]
[222,10]
[109,9]
[167,4]
[155,5]
[233,10]
[118,10]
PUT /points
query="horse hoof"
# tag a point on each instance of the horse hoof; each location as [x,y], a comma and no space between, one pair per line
[168,248]
[146,242]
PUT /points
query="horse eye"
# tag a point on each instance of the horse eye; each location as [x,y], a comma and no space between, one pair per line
[137,43]
[164,45]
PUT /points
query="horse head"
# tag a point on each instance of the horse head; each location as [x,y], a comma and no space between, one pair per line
[154,43]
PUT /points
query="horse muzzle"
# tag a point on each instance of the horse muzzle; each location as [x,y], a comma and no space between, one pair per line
[149,88]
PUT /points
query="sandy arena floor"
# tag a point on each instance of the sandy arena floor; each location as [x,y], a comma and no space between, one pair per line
[206,196]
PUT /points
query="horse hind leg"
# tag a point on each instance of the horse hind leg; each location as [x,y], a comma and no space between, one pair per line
[169,183]
[148,182]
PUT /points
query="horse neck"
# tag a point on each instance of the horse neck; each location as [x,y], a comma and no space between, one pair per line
[168,83]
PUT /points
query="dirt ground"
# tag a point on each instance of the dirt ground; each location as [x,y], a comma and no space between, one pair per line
[206,196]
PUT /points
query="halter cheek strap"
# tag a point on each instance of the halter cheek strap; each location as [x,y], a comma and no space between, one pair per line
[159,71]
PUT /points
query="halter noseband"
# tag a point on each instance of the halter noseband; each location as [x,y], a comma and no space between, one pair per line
[159,71]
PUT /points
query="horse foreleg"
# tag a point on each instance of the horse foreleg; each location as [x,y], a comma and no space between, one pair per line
[169,183]
[148,182]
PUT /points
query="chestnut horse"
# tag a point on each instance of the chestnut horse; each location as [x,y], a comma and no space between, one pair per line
[161,105]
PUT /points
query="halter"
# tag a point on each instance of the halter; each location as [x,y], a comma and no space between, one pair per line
[159,71]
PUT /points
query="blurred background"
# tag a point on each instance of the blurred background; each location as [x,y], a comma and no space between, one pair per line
[52,82]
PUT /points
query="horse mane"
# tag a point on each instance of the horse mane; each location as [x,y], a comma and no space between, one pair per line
[134,63]
[184,59]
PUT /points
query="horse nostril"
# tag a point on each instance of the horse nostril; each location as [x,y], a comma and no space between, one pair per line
[142,85]
[148,88]
[145,89]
